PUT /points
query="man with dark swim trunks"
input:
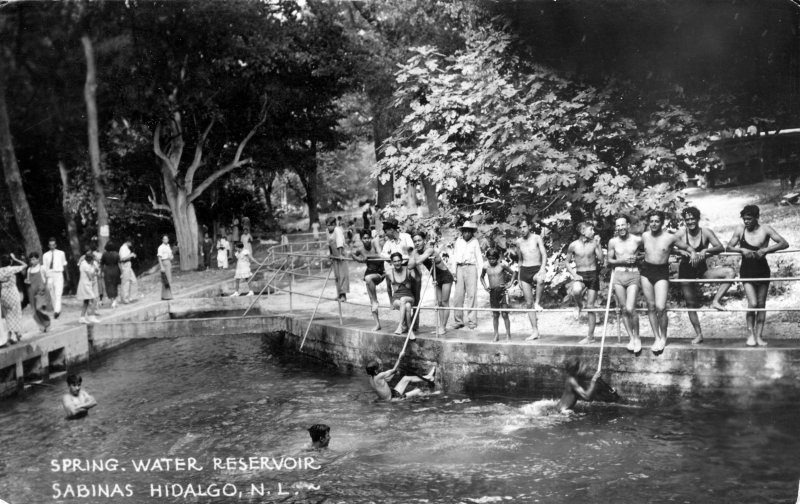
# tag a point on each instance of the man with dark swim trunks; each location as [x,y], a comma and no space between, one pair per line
[751,239]
[693,266]
[501,277]
[407,386]
[622,255]
[366,251]
[658,245]
[532,258]
[588,255]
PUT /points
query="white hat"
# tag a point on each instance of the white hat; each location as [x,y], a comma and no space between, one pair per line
[469,225]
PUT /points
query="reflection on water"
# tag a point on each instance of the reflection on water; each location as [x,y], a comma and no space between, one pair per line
[228,397]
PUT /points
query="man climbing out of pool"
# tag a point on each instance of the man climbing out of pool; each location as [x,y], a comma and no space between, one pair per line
[77,402]
[572,388]
[407,386]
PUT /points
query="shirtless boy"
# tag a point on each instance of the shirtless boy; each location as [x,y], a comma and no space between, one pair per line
[77,402]
[658,245]
[588,255]
[501,277]
[622,250]
[367,251]
[532,258]
[572,389]
[380,382]
[751,239]
[693,266]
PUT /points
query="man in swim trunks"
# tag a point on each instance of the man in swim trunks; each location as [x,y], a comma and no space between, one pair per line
[366,251]
[693,266]
[407,386]
[751,239]
[77,402]
[532,257]
[622,250]
[658,245]
[501,277]
[588,255]
[572,389]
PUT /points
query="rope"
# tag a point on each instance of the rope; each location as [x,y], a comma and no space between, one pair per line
[605,322]
[315,308]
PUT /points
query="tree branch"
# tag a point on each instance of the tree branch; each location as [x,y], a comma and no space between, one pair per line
[153,199]
[237,161]
[160,153]
[198,158]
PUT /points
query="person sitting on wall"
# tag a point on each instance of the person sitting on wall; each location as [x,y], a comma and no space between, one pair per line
[77,402]
[407,386]
[320,436]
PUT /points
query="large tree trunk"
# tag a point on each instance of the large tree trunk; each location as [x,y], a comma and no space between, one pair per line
[19,200]
[185,221]
[89,91]
[431,198]
[72,225]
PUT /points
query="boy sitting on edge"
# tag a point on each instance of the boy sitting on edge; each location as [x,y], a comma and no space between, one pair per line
[573,389]
[380,382]
[498,289]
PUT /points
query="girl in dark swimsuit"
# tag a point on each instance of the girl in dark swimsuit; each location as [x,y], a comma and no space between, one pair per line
[755,265]
[403,293]
[429,257]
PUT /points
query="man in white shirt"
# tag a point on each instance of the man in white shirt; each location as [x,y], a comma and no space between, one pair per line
[54,262]
[129,284]
[468,260]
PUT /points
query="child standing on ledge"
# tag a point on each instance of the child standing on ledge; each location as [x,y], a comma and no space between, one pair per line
[243,260]
[498,290]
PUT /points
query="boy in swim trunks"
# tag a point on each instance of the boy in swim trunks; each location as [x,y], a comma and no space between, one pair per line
[751,239]
[622,251]
[693,266]
[572,389]
[532,258]
[587,254]
[498,290]
[407,386]
[367,251]
[658,245]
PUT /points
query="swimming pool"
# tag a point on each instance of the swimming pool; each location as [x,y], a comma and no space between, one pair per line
[241,413]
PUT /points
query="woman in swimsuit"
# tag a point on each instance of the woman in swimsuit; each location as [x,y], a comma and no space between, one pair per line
[751,239]
[403,293]
[424,254]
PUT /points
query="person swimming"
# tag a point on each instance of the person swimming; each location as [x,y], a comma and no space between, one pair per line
[572,388]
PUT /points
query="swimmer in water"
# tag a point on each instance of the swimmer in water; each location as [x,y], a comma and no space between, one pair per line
[320,436]
[572,389]
[380,382]
[77,402]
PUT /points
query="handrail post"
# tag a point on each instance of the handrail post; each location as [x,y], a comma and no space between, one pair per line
[341,321]
[291,281]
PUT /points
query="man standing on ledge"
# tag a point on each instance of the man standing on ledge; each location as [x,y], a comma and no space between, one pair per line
[622,251]
[129,284]
[532,257]
[54,262]
[468,259]
[658,246]
[336,245]
[588,256]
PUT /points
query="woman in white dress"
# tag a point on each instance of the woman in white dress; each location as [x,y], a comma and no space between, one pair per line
[86,289]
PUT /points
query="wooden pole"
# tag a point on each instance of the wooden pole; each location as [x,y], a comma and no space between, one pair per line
[605,322]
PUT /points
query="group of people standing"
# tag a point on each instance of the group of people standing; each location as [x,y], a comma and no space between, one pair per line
[637,263]
[103,274]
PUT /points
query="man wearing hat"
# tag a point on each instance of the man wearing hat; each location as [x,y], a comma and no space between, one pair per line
[468,258]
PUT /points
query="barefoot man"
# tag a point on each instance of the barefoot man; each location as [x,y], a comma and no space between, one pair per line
[367,250]
[588,255]
[622,251]
[751,239]
[658,245]
[532,258]
[692,266]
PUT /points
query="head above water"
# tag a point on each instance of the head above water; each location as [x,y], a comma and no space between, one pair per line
[572,365]
[373,368]
[320,435]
